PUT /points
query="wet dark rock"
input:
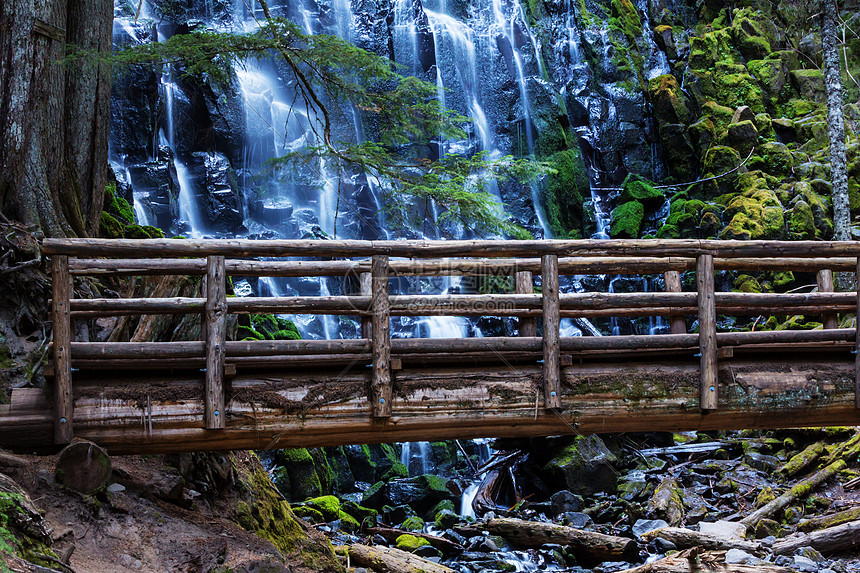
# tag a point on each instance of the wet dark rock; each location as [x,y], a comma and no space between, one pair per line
[565,501]
[397,514]
[428,552]
[762,462]
[664,546]
[576,519]
[583,467]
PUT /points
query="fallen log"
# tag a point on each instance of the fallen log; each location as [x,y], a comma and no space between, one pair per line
[800,489]
[391,533]
[391,560]
[695,561]
[589,545]
[846,450]
[686,538]
[803,460]
[825,521]
[830,540]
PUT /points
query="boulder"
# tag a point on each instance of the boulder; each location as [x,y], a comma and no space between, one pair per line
[584,467]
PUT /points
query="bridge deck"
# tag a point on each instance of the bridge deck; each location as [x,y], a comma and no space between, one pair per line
[220,394]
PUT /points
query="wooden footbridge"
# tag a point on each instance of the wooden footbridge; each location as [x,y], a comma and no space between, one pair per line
[216,393]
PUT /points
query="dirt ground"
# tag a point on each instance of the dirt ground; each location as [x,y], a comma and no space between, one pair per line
[133,530]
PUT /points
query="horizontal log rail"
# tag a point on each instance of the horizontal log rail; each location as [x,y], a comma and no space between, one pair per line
[371,268]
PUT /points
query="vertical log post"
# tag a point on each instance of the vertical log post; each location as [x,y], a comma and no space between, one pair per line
[825,284]
[63,404]
[381,389]
[857,346]
[365,287]
[523,284]
[707,331]
[551,322]
[216,337]
[677,323]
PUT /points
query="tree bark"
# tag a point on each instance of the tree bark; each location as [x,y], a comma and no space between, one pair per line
[835,119]
[53,139]
[585,544]
[830,540]
[390,560]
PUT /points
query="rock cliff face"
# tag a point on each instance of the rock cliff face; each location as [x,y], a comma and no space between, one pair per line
[666,90]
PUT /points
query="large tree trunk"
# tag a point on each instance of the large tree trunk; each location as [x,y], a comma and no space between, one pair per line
[835,119]
[54,134]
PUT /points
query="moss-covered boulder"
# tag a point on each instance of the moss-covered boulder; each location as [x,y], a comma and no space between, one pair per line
[296,474]
[809,84]
[110,227]
[669,101]
[410,543]
[584,466]
[327,505]
[801,223]
[626,220]
[636,188]
[412,523]
[776,159]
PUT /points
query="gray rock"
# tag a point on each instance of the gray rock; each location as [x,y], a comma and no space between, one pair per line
[576,519]
[804,564]
[643,526]
[810,553]
[762,462]
[565,501]
[115,488]
[664,545]
[585,466]
[725,529]
[737,556]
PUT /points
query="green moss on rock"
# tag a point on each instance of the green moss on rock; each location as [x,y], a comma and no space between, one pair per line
[564,190]
[410,543]
[637,188]
[412,523]
[110,227]
[626,220]
[266,514]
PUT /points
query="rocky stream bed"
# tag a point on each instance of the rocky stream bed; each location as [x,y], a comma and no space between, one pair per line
[749,501]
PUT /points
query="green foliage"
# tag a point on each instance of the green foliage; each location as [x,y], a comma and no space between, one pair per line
[332,78]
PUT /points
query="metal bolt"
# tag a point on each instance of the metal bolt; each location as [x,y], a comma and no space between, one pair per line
[215,413]
[552,393]
[712,388]
[62,420]
[382,400]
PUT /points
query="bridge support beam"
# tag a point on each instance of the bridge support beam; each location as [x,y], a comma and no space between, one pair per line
[216,337]
[707,331]
[857,347]
[677,322]
[63,401]
[551,323]
[381,387]
[524,284]
[825,284]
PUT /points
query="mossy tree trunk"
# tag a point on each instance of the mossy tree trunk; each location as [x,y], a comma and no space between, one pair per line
[835,119]
[54,134]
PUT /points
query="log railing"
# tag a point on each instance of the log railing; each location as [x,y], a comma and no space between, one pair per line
[373,264]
